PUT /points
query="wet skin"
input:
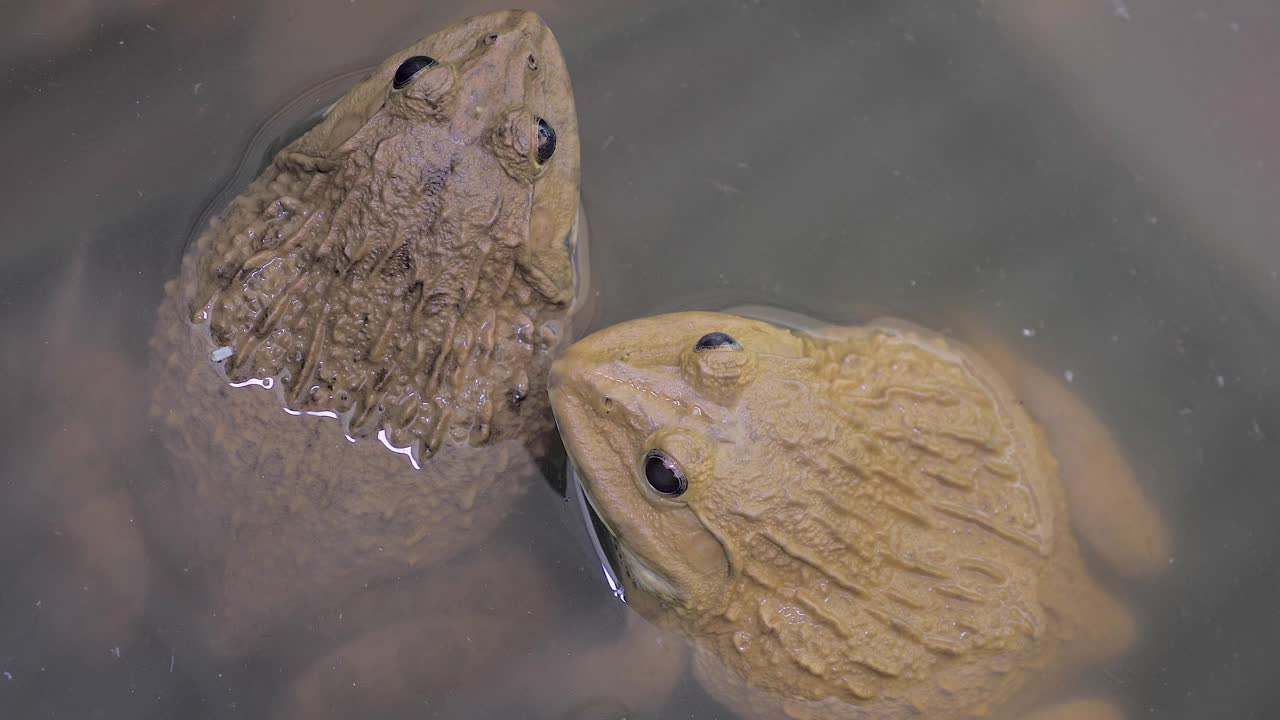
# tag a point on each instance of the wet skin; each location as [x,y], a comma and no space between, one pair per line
[397,281]
[856,522]
[408,266]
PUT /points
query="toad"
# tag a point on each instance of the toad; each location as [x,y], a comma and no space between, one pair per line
[349,370]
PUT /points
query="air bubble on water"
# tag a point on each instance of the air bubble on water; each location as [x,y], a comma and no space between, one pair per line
[1028,332]
[1069,376]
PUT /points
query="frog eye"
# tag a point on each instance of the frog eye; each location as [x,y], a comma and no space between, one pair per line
[410,69]
[664,474]
[546,141]
[716,341]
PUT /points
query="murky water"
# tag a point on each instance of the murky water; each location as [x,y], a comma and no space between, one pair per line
[1096,179]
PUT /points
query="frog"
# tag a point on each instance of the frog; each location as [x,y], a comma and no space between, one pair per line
[857,521]
[348,371]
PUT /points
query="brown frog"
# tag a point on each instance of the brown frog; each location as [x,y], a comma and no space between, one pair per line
[858,522]
[349,370]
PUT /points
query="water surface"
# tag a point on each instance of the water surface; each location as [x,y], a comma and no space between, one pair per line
[1097,182]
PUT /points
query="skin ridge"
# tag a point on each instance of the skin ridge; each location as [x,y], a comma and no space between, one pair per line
[350,276]
[397,334]
[853,549]
[375,290]
[260,528]
[873,525]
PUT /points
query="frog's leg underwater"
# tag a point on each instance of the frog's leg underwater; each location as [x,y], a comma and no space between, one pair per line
[427,640]
[1108,508]
[639,670]
[1078,710]
[632,675]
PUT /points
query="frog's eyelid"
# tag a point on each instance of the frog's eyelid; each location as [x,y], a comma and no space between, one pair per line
[716,341]
[545,145]
[409,69]
[664,474]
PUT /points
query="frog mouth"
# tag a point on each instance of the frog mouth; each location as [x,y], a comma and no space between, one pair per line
[620,564]
[603,540]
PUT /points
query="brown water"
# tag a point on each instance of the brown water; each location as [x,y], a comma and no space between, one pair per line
[1097,179]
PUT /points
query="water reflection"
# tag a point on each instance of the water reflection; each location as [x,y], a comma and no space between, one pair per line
[407,451]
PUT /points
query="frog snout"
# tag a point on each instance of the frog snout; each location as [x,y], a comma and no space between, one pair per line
[583,389]
[561,372]
[572,377]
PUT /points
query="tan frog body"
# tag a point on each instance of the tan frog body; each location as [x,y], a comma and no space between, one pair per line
[855,523]
[350,368]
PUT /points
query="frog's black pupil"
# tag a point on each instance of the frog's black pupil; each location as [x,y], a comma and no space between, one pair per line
[409,68]
[714,341]
[546,141]
[663,475]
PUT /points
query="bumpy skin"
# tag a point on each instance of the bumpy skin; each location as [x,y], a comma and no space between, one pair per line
[873,526]
[397,278]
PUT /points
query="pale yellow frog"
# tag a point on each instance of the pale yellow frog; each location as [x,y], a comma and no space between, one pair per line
[857,522]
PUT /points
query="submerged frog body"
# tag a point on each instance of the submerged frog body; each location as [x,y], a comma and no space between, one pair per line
[853,523]
[350,368]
